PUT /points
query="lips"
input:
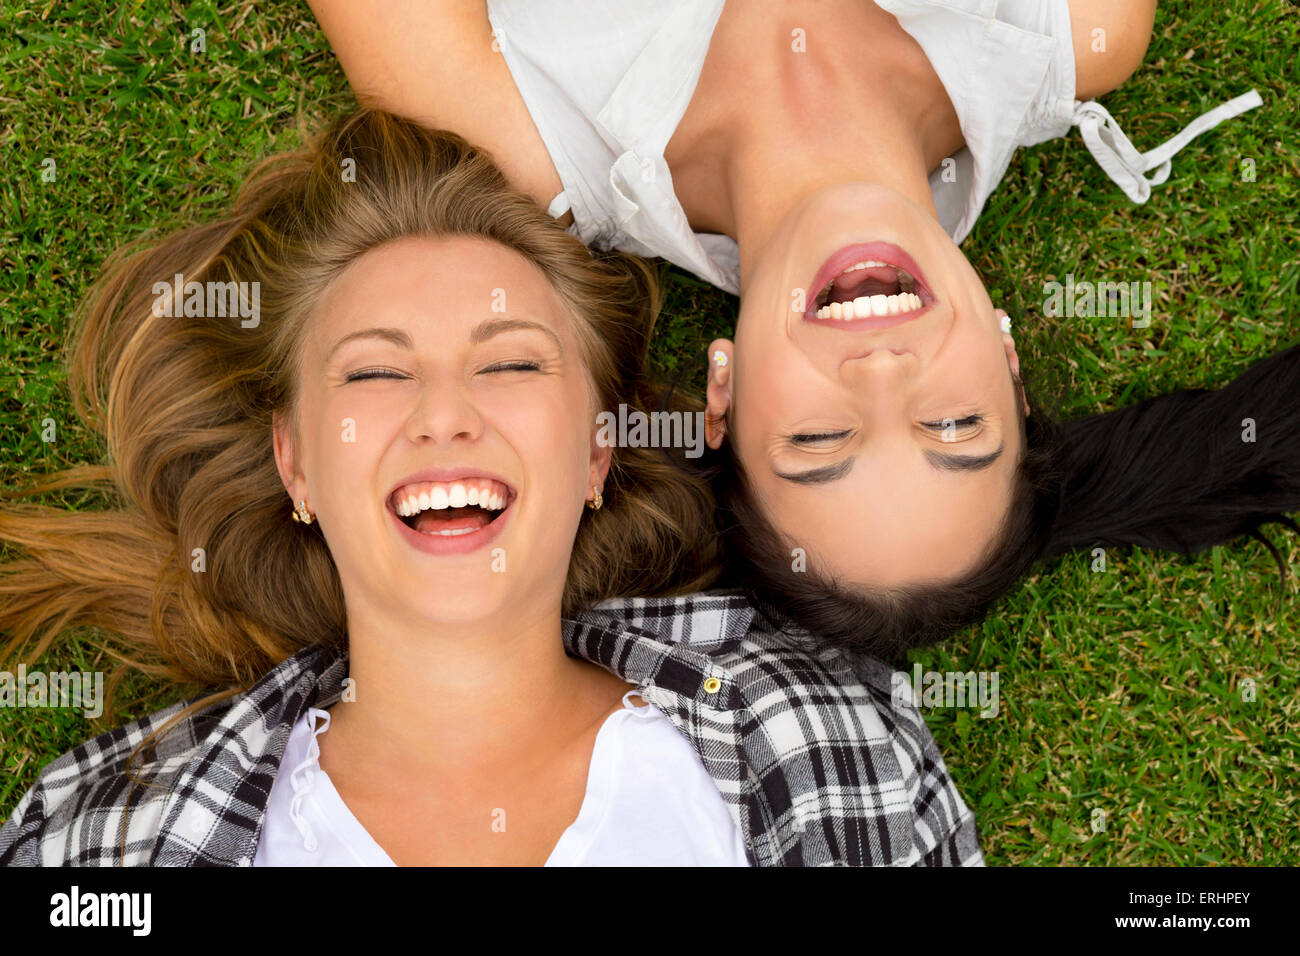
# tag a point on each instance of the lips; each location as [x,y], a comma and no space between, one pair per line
[450,510]
[873,285]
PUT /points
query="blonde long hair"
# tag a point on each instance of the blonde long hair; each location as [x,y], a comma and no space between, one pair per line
[185,407]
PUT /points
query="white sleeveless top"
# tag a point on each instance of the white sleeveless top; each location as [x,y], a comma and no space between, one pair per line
[607,81]
[649,802]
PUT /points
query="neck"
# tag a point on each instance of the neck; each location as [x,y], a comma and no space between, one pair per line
[743,163]
[446,699]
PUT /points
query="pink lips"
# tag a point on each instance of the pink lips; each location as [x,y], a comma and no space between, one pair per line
[450,544]
[885,252]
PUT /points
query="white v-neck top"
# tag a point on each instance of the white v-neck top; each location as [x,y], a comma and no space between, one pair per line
[607,81]
[649,802]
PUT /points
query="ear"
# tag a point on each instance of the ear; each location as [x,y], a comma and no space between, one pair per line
[718,392]
[1013,360]
[286,458]
[601,456]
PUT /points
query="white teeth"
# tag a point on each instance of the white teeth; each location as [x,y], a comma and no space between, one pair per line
[865,264]
[865,307]
[441,497]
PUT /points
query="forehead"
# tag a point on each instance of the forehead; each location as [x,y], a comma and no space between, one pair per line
[449,281]
[864,537]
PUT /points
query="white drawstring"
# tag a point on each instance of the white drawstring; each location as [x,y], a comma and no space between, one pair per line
[643,711]
[303,779]
[1121,160]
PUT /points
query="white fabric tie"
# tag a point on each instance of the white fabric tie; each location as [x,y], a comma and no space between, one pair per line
[303,779]
[1121,160]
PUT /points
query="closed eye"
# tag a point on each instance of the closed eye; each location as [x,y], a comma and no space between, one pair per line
[520,366]
[370,373]
[957,423]
[814,437]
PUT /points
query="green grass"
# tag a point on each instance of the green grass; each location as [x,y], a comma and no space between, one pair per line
[1120,691]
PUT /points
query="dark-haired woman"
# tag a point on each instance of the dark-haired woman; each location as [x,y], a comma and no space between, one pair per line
[883,477]
[369,505]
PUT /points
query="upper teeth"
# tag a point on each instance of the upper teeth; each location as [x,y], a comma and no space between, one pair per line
[437,495]
[866,306]
[866,264]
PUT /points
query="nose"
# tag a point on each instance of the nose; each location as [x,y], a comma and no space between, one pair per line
[878,361]
[895,351]
[444,412]
[879,379]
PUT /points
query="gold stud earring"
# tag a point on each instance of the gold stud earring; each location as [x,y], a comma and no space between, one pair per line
[596,500]
[301,514]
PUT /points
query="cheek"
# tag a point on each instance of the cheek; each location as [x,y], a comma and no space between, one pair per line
[548,429]
[774,383]
[977,359]
[350,433]
[362,417]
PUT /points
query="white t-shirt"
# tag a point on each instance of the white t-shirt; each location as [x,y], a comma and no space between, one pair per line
[607,81]
[649,802]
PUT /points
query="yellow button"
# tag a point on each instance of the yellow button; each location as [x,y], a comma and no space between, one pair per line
[711,685]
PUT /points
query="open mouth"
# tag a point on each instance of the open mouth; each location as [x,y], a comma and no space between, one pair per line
[877,282]
[450,509]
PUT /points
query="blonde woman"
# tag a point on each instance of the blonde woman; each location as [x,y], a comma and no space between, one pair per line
[368,502]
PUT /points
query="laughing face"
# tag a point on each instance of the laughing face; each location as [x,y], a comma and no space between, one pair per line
[870,392]
[446,441]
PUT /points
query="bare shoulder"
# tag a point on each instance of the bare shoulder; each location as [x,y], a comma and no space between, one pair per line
[1110,40]
[436,63]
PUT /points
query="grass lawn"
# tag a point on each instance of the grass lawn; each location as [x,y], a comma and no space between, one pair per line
[1120,691]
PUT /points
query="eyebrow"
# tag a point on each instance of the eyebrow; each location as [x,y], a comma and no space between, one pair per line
[946,462]
[482,332]
[940,461]
[820,475]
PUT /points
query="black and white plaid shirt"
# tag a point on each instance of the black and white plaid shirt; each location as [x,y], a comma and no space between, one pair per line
[820,761]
